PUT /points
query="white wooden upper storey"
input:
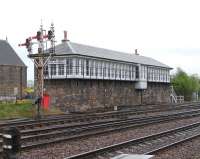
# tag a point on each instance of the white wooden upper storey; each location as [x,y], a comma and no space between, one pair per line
[74,60]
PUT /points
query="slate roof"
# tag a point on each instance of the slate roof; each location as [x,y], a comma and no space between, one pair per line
[75,48]
[8,56]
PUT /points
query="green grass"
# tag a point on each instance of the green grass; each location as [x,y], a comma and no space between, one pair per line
[10,111]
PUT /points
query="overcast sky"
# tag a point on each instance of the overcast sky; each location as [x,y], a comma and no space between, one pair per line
[167,30]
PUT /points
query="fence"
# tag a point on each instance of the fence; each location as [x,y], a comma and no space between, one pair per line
[8,99]
[174,97]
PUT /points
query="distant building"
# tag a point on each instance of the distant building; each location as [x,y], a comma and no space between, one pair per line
[13,72]
[82,77]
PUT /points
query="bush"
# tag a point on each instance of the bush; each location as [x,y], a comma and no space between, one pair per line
[184,84]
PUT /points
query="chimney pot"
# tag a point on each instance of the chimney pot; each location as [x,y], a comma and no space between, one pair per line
[136,52]
[65,36]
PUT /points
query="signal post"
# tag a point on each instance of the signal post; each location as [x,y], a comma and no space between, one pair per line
[45,49]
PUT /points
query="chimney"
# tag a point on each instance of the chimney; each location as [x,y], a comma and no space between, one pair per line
[65,36]
[136,52]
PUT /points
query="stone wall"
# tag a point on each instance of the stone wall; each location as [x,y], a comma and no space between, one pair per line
[13,79]
[84,95]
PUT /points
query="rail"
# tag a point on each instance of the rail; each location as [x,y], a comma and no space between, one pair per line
[87,130]
[185,131]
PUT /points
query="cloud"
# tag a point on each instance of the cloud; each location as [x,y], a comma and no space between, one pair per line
[120,25]
[186,58]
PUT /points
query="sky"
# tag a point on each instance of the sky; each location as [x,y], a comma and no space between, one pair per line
[166,30]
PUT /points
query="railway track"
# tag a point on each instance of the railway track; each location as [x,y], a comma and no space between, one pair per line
[162,106]
[64,119]
[111,121]
[134,119]
[101,127]
[86,130]
[150,144]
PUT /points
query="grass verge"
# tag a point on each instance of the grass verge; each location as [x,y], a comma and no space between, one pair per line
[23,110]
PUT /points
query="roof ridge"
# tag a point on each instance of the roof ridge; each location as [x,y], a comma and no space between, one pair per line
[70,46]
[127,53]
[87,50]
[104,48]
[3,40]
[9,55]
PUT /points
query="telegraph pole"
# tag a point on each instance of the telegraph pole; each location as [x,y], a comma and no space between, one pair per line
[40,59]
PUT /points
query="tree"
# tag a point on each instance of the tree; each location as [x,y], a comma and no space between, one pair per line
[184,84]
